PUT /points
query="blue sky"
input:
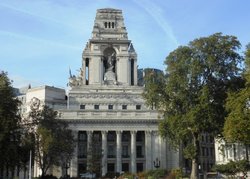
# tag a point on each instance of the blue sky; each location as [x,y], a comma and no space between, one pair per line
[41,39]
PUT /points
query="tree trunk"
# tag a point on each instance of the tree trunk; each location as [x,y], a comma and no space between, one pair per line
[194,171]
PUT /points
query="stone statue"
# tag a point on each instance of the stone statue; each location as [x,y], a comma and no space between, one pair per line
[76,81]
[109,75]
[110,62]
[35,103]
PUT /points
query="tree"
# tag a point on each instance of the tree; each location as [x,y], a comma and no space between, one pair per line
[54,142]
[9,125]
[237,124]
[198,77]
[154,87]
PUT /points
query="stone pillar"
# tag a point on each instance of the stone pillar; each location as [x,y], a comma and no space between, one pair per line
[102,72]
[133,151]
[104,152]
[74,160]
[84,70]
[89,148]
[148,148]
[118,151]
[123,70]
[135,72]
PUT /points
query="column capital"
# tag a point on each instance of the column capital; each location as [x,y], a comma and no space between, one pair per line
[89,132]
[148,132]
[155,133]
[133,132]
[104,132]
[119,132]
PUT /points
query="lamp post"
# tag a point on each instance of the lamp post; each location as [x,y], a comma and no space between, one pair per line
[66,166]
[157,163]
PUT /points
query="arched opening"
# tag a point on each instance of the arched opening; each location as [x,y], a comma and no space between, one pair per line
[109,25]
[87,70]
[105,24]
[113,25]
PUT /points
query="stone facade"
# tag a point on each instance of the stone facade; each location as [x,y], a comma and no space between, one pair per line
[105,109]
[105,105]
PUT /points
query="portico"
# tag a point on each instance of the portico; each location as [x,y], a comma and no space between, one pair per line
[122,151]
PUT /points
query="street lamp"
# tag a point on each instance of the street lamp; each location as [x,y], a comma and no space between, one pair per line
[66,166]
[157,163]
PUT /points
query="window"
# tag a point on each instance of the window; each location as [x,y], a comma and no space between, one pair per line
[139,136]
[110,107]
[113,25]
[82,106]
[96,106]
[111,167]
[139,151]
[125,151]
[82,136]
[125,167]
[111,136]
[105,24]
[124,107]
[125,136]
[138,107]
[111,151]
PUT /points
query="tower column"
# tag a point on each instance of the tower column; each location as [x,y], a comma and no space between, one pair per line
[89,148]
[84,70]
[104,150]
[74,160]
[118,151]
[133,151]
[135,72]
[148,148]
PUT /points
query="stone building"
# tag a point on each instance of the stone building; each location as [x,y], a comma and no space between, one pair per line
[105,108]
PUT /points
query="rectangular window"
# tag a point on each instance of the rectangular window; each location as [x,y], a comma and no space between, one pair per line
[124,107]
[138,107]
[125,151]
[111,151]
[96,106]
[82,106]
[139,153]
[110,107]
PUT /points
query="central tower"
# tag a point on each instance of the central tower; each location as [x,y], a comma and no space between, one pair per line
[106,110]
[109,57]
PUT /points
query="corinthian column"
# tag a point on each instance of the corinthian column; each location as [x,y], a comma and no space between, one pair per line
[89,148]
[118,151]
[74,164]
[104,150]
[148,147]
[133,151]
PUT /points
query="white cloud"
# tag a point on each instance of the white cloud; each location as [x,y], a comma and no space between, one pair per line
[155,12]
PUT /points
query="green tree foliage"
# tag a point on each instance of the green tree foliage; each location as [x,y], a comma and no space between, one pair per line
[9,125]
[237,124]
[198,77]
[154,86]
[95,155]
[54,142]
[233,167]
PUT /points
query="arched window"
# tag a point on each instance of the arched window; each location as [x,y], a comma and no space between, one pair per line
[105,24]
[113,25]
[109,24]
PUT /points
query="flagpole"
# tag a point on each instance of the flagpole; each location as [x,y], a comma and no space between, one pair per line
[30,165]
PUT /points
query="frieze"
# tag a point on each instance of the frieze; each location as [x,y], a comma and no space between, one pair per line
[108,96]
